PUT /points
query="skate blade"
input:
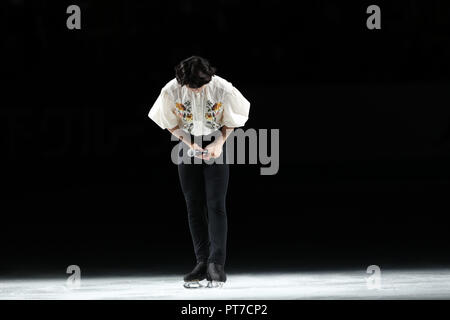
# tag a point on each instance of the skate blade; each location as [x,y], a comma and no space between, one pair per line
[193,285]
[215,284]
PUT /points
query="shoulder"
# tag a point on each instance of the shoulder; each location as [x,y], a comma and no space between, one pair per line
[221,84]
[171,87]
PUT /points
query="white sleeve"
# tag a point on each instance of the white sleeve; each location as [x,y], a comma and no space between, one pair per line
[235,109]
[163,111]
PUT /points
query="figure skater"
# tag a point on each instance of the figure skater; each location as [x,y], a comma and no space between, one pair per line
[197,106]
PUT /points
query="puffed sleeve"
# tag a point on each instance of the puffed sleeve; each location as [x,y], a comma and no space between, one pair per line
[163,111]
[235,109]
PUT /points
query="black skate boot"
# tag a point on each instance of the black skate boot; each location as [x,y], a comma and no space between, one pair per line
[215,275]
[193,278]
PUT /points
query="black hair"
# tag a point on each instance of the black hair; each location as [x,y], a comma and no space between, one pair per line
[194,72]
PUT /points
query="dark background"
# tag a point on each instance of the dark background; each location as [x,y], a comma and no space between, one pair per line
[363,118]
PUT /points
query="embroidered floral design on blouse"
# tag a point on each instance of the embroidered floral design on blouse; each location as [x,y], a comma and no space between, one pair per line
[212,114]
[184,111]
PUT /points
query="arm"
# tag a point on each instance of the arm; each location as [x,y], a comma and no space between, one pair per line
[226,131]
[215,148]
[184,137]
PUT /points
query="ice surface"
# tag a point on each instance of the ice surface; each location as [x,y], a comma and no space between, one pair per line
[399,284]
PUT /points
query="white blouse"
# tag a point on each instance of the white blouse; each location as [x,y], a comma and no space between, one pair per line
[218,103]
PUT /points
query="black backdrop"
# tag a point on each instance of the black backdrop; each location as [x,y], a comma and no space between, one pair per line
[363,118]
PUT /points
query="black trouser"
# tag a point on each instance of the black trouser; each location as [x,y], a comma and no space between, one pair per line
[204,187]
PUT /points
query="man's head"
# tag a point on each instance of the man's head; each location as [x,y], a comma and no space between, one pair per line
[194,72]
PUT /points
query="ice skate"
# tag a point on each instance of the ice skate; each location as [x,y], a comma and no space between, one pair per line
[192,279]
[215,275]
